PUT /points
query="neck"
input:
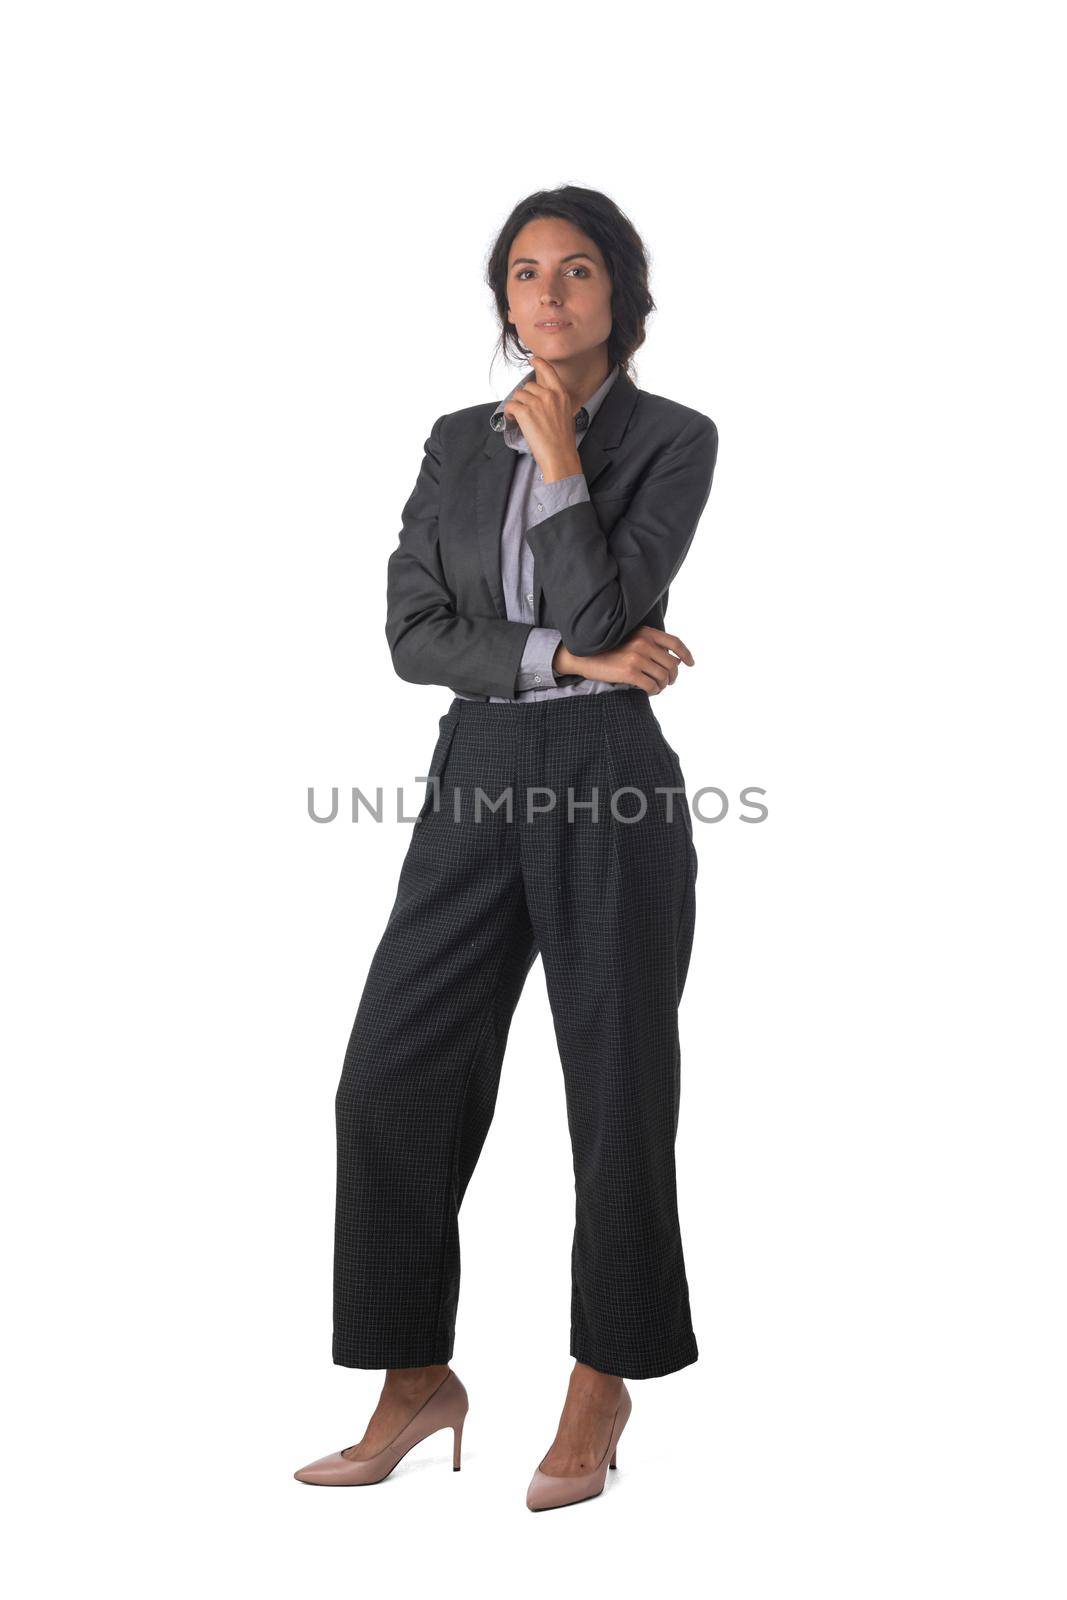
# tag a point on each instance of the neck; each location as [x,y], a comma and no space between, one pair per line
[582,375]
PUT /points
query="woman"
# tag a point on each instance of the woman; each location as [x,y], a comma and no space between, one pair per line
[531,578]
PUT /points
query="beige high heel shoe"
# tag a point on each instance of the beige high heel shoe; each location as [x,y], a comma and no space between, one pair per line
[446,1407]
[546,1491]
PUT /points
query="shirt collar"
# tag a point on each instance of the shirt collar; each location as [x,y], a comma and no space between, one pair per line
[513,434]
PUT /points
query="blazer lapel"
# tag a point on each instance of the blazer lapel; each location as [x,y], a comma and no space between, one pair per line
[497,467]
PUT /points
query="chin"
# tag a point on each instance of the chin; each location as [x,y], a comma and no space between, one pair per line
[547,344]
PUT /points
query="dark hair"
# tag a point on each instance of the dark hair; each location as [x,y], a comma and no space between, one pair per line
[618,242]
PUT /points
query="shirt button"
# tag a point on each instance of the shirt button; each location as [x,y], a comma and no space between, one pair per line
[530,598]
[540,507]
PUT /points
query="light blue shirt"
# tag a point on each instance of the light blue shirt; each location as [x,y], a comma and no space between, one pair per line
[531,501]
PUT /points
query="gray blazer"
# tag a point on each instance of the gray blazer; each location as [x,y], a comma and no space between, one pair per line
[601,568]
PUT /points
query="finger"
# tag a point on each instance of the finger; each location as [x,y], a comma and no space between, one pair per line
[544,372]
[659,654]
[672,641]
[650,677]
[528,391]
[515,397]
[523,408]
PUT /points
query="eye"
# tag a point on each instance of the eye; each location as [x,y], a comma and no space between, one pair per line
[524,270]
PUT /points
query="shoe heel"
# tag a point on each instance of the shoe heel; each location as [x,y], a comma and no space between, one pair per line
[457,1438]
[614,1453]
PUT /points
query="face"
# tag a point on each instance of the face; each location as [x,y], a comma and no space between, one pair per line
[556,272]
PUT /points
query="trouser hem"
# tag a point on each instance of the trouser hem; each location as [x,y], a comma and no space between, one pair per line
[385,1359]
[631,1367]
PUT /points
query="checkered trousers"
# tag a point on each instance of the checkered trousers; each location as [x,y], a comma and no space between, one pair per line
[610,905]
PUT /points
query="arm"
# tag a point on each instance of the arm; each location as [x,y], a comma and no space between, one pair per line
[429,642]
[599,593]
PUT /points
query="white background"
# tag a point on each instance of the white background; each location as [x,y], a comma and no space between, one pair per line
[243,273]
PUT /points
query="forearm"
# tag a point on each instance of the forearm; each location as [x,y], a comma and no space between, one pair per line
[588,591]
[469,655]
[598,589]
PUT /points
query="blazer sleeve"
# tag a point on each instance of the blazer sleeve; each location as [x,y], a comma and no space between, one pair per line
[598,593]
[428,640]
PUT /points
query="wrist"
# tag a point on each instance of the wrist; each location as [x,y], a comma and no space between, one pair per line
[561,467]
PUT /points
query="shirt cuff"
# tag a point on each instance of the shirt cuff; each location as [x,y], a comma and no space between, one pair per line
[548,498]
[535,668]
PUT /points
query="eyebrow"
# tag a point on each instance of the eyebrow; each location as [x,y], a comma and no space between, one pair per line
[532,261]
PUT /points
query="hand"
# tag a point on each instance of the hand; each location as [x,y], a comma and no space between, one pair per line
[542,409]
[648,659]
